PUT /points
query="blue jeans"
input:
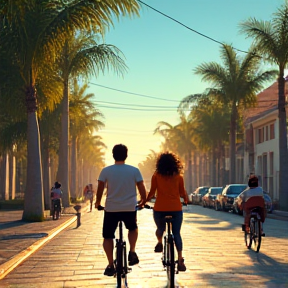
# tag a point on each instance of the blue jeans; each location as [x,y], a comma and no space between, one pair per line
[177,218]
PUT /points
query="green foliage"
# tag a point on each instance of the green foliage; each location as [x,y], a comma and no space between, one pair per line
[12,204]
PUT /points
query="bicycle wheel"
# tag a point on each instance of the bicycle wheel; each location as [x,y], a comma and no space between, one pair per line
[257,235]
[170,263]
[119,263]
[248,236]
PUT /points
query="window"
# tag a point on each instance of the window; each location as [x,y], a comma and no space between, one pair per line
[271,163]
[266,133]
[272,131]
[260,135]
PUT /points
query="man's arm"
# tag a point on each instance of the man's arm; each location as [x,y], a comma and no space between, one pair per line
[99,193]
[142,191]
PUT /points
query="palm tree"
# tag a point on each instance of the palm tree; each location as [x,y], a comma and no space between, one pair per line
[83,123]
[81,56]
[270,38]
[180,137]
[32,33]
[211,130]
[235,84]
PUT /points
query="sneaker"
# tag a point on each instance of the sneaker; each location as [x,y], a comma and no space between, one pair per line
[181,266]
[158,248]
[262,234]
[109,271]
[132,258]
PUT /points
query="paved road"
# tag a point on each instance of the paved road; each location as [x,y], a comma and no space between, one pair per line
[214,251]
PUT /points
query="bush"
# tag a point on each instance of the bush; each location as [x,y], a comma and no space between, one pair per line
[16,204]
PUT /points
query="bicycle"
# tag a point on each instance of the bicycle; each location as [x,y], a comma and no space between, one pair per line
[120,261]
[254,236]
[168,257]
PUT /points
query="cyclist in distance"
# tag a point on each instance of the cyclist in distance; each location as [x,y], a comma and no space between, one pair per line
[250,198]
[167,181]
[121,200]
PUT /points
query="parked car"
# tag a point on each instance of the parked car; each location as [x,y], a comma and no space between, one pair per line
[209,198]
[196,196]
[267,199]
[225,200]
[268,202]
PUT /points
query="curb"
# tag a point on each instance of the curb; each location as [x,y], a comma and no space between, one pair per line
[11,264]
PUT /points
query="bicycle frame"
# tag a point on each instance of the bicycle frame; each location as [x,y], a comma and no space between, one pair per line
[168,258]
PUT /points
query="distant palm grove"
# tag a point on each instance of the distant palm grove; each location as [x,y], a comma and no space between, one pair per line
[48,121]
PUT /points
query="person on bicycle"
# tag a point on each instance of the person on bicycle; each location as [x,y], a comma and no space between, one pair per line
[56,195]
[168,183]
[121,181]
[251,198]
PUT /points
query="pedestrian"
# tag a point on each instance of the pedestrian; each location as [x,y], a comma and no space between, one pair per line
[56,195]
[121,200]
[90,195]
[167,184]
[85,191]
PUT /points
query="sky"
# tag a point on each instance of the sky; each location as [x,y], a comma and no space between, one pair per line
[161,54]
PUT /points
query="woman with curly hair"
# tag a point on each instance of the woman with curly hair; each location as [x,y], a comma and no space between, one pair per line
[167,181]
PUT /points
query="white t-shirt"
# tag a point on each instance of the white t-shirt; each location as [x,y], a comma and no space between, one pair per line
[121,182]
[250,192]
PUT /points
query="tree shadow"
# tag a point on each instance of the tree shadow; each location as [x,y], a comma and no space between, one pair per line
[12,224]
[24,236]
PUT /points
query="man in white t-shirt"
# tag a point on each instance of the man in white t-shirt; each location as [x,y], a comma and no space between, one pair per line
[121,181]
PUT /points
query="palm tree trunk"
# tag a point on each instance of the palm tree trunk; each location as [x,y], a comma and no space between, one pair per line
[213,166]
[33,200]
[12,175]
[5,177]
[63,167]
[189,172]
[283,152]
[232,145]
[74,168]
[46,178]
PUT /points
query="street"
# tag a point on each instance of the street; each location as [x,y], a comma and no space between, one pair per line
[214,252]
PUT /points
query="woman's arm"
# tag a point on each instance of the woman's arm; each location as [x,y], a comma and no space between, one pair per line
[183,192]
[152,189]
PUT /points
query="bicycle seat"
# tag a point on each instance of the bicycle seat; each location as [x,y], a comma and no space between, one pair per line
[255,210]
[168,218]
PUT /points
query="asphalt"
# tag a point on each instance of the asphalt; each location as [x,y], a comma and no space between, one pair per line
[20,239]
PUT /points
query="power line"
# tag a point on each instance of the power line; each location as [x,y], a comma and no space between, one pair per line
[199,33]
[136,109]
[137,105]
[132,93]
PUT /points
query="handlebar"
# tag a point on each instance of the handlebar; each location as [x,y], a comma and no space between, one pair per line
[146,206]
[99,208]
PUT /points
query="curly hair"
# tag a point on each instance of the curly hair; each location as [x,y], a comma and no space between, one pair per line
[168,164]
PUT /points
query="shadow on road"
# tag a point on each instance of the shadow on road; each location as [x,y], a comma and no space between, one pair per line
[24,236]
[12,224]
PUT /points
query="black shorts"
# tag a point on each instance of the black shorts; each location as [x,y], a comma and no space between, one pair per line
[111,220]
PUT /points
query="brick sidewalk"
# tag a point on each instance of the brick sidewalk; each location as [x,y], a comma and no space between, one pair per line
[19,239]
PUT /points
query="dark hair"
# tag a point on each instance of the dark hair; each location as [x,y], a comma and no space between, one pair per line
[57,185]
[168,164]
[253,181]
[120,152]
